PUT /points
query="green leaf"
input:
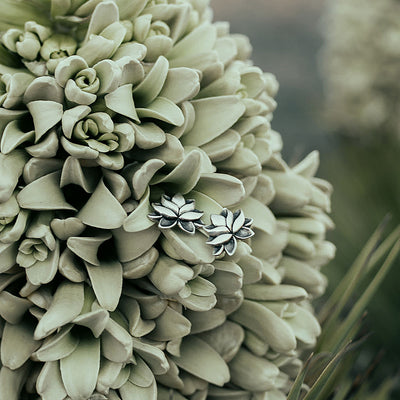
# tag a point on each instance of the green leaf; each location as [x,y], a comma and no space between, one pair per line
[322,382]
[295,391]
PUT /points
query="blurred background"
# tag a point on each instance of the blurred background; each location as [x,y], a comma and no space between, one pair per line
[329,58]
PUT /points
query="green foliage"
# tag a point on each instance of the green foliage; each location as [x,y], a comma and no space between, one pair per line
[327,374]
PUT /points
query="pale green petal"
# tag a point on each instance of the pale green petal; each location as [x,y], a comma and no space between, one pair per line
[226,49]
[305,326]
[66,305]
[164,110]
[103,15]
[189,116]
[44,194]
[11,167]
[121,101]
[170,379]
[17,344]
[141,266]
[108,374]
[106,282]
[78,150]
[116,342]
[11,382]
[292,191]
[132,391]
[141,374]
[223,146]
[300,246]
[149,135]
[13,233]
[266,246]
[301,274]
[262,216]
[171,152]
[255,344]
[16,89]
[49,382]
[96,321]
[308,166]
[126,136]
[226,339]
[96,49]
[112,161]
[80,369]
[264,190]
[184,177]
[137,220]
[117,185]
[102,210]
[132,49]
[192,249]
[147,91]
[87,247]
[131,245]
[170,325]
[201,360]
[44,88]
[265,324]
[252,268]
[142,175]
[122,377]
[46,148]
[214,116]
[157,45]
[7,116]
[170,276]
[242,162]
[154,357]
[258,291]
[13,308]
[58,346]
[73,172]
[131,70]
[69,267]
[9,208]
[206,320]
[228,277]
[223,188]
[65,228]
[200,40]
[253,373]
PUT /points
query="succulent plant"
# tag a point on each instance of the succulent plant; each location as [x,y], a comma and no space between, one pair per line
[360,64]
[124,125]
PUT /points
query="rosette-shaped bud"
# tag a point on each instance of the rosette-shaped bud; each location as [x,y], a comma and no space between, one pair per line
[154,244]
[360,65]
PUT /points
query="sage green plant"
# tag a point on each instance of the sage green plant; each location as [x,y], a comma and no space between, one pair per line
[154,244]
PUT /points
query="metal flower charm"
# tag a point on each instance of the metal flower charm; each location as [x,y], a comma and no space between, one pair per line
[226,228]
[177,211]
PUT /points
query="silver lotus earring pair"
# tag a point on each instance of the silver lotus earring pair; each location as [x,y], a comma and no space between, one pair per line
[225,230]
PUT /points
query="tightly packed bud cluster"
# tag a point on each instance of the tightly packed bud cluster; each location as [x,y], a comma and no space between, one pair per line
[361,62]
[153,242]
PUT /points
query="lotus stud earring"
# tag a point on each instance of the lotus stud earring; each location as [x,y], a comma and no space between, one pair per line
[178,211]
[226,228]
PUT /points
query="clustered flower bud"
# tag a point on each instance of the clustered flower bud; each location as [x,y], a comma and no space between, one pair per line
[153,242]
